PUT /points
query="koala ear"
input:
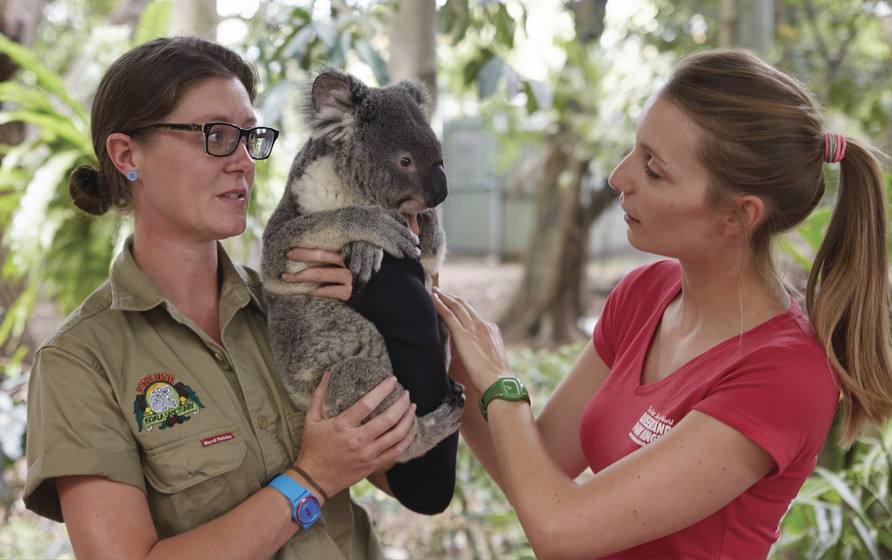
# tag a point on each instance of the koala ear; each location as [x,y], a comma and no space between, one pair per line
[333,101]
[417,91]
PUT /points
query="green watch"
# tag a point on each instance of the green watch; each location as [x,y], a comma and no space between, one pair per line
[506,388]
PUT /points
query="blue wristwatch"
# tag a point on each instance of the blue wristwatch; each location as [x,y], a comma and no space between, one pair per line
[304,506]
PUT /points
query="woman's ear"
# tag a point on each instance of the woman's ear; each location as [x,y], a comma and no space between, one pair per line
[747,212]
[120,148]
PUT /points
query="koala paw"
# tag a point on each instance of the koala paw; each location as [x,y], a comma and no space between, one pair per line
[457,396]
[363,259]
[397,239]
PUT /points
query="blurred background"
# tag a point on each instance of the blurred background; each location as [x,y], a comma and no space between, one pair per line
[536,101]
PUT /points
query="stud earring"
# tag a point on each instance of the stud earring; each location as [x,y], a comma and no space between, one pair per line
[132,175]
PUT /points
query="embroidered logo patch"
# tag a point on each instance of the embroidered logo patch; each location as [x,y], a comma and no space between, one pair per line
[164,402]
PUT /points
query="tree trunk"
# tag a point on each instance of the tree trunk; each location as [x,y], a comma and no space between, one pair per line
[413,47]
[547,305]
[195,17]
[747,23]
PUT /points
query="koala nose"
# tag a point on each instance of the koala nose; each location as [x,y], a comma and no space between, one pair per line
[437,191]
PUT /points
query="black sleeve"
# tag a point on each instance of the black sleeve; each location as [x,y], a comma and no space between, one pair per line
[397,303]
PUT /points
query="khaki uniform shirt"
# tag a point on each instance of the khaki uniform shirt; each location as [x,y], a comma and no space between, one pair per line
[132,390]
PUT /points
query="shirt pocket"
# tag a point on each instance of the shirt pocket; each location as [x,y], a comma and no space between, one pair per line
[194,480]
[179,465]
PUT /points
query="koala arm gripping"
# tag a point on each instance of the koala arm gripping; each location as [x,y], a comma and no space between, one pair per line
[332,229]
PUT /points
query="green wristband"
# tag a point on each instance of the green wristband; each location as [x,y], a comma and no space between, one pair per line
[506,388]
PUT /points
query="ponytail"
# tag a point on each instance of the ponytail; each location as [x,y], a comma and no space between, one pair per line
[848,293]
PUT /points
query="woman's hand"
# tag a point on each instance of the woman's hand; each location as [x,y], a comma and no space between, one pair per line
[325,268]
[340,451]
[478,342]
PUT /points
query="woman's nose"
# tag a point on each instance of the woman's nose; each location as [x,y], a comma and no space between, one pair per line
[617,179]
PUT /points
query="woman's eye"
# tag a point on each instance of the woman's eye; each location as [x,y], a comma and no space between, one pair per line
[405,162]
[650,172]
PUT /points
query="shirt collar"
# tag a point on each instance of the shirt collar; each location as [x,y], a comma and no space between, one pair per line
[133,290]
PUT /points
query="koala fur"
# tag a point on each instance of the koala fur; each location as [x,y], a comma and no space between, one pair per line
[371,173]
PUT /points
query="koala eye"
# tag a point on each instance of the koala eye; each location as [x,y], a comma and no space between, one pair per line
[405,162]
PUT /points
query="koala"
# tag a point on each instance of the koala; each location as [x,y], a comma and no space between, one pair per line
[366,182]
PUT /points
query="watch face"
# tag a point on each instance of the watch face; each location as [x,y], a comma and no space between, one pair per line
[511,386]
[308,510]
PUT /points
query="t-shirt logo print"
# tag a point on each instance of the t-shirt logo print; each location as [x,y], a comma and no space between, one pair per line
[163,401]
[650,427]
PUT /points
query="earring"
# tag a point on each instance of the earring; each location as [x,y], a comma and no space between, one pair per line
[132,175]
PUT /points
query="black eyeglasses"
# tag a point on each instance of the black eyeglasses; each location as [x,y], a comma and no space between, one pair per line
[222,138]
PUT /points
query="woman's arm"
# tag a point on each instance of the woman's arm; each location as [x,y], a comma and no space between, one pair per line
[686,475]
[107,519]
[558,423]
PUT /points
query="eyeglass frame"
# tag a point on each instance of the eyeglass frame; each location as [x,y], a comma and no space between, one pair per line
[205,127]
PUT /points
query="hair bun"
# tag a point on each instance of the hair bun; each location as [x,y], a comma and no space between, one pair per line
[84,186]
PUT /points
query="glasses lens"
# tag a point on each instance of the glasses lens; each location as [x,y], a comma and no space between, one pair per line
[222,139]
[260,142]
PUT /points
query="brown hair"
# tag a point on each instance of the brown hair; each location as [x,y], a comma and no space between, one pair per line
[142,86]
[765,137]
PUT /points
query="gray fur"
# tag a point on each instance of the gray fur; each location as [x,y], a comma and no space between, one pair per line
[344,193]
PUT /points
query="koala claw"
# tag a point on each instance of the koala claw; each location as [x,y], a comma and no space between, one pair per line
[457,397]
[399,240]
[363,259]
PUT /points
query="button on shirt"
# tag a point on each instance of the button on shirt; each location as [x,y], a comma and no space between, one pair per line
[132,390]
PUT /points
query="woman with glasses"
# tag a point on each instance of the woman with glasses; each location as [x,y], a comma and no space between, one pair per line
[156,424]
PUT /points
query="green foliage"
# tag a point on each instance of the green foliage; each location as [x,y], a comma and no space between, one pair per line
[847,513]
[154,22]
[43,236]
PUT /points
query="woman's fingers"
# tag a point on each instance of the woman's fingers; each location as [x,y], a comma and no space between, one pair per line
[389,417]
[404,427]
[309,255]
[342,293]
[369,402]
[458,308]
[314,412]
[322,275]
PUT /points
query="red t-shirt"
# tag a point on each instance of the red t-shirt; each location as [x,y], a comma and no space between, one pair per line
[773,384]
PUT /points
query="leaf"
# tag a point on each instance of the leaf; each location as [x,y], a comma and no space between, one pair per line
[53,124]
[46,78]
[154,22]
[458,21]
[25,97]
[842,489]
[802,260]
[504,27]
[327,31]
[274,99]
[869,540]
[489,77]
[814,227]
[298,45]
[17,315]
[370,56]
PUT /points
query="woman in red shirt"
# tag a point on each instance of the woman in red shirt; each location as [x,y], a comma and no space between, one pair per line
[707,392]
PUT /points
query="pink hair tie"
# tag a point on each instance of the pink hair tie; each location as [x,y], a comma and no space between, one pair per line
[834,147]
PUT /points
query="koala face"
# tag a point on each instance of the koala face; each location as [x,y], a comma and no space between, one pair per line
[383,147]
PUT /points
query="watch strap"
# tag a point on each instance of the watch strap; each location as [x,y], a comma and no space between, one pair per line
[295,494]
[506,388]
